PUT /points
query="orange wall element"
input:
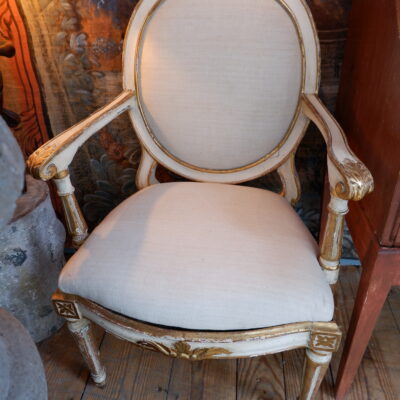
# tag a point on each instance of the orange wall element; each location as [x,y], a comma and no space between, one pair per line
[23,94]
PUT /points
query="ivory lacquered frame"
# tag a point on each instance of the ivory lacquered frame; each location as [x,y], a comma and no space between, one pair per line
[299,14]
[207,170]
[349,180]
[320,339]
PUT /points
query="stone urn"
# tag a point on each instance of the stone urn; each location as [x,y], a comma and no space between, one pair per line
[22,375]
[31,244]
[31,257]
[21,371]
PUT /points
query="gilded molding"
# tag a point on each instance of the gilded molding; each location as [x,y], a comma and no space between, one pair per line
[325,341]
[331,247]
[83,336]
[288,132]
[314,371]
[287,172]
[66,309]
[76,223]
[38,162]
[63,147]
[357,183]
[183,350]
[90,309]
[354,180]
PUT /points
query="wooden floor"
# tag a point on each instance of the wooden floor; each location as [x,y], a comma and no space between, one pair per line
[137,374]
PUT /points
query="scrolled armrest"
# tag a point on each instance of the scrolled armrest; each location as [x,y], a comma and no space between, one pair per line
[349,178]
[56,154]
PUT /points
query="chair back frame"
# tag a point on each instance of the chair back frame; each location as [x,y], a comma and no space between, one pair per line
[309,44]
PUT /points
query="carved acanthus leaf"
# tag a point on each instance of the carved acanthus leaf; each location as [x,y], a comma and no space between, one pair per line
[183,350]
[357,183]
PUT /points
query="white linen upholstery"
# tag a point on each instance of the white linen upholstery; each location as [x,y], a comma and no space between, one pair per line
[203,256]
[228,71]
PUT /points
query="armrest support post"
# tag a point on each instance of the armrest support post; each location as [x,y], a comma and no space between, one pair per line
[332,239]
[51,160]
[76,223]
[349,179]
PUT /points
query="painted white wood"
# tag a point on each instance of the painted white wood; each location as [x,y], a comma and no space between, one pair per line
[233,96]
[82,131]
[152,177]
[146,173]
[81,332]
[320,358]
[243,348]
[290,180]
[316,372]
[311,63]
[203,176]
[338,205]
[60,150]
[329,128]
[309,35]
[331,276]
[64,186]
[339,152]
[339,208]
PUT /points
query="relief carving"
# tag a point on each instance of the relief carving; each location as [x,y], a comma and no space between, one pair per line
[183,350]
[358,181]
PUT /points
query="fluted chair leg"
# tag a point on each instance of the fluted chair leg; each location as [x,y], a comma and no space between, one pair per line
[315,367]
[81,331]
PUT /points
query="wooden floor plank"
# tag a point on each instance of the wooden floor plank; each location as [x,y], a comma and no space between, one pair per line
[66,372]
[122,361]
[382,357]
[260,378]
[394,305]
[344,308]
[213,379]
[293,369]
[327,391]
[378,375]
[152,379]
[180,379]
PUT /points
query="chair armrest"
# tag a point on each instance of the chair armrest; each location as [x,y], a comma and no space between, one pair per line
[55,155]
[349,178]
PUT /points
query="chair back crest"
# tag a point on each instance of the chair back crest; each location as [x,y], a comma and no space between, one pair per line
[219,82]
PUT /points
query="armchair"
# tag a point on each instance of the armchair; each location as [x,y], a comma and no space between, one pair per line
[220,93]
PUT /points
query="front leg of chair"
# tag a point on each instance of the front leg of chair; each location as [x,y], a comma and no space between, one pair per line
[81,331]
[315,367]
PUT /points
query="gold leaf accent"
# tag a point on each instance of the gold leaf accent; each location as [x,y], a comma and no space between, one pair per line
[358,181]
[36,162]
[183,350]
[66,309]
[325,341]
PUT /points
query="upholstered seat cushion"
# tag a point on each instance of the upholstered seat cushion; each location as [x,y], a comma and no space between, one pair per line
[203,256]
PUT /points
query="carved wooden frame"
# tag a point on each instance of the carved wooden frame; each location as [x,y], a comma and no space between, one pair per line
[302,19]
[320,338]
[349,180]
